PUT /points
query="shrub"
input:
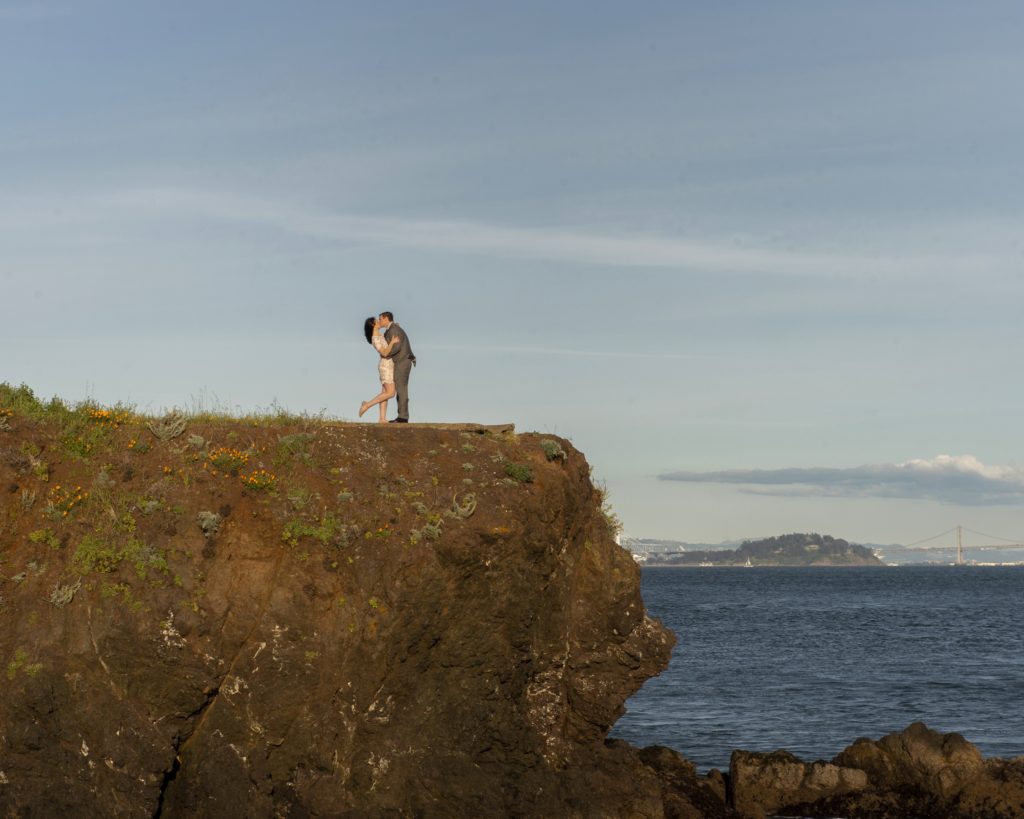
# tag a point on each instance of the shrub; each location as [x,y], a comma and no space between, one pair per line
[145,558]
[260,481]
[463,510]
[227,459]
[60,595]
[522,473]
[96,554]
[552,450]
[325,531]
[138,447]
[21,401]
[45,536]
[209,522]
[21,663]
[296,445]
[169,427]
[611,520]
[61,501]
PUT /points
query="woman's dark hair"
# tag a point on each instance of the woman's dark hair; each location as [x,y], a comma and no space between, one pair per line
[368,329]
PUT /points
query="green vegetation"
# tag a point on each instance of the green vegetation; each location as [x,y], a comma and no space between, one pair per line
[61,501]
[96,554]
[20,663]
[522,473]
[84,436]
[45,536]
[552,450]
[797,549]
[299,497]
[327,530]
[260,480]
[209,522]
[611,520]
[228,459]
[124,592]
[295,446]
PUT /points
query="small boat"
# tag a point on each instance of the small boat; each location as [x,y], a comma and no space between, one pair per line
[705,562]
[748,564]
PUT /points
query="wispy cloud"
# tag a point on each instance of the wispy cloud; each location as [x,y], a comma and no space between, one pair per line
[596,246]
[959,479]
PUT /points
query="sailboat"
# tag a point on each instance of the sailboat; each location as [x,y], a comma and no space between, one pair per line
[748,564]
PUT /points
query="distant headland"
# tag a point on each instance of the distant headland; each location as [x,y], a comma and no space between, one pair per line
[795,549]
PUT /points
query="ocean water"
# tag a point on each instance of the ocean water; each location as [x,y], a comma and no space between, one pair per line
[809,659]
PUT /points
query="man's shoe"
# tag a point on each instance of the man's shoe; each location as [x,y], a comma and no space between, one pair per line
[399,421]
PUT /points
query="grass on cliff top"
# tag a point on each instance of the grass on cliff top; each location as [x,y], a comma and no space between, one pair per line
[22,401]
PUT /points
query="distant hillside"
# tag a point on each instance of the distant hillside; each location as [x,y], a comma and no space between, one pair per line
[650,545]
[784,550]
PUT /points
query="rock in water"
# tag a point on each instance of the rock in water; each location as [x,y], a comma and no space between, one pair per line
[917,772]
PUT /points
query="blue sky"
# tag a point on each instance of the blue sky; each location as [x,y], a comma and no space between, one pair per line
[722,241]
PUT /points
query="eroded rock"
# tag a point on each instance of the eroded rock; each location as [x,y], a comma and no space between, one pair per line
[917,772]
[326,657]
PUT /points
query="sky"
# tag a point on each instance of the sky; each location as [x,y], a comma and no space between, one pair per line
[761,262]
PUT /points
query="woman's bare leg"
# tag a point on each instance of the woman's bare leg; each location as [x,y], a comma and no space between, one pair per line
[387,391]
[383,412]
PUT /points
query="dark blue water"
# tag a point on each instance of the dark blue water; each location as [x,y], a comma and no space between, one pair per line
[809,659]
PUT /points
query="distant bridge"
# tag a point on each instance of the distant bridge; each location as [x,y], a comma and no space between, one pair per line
[958,532]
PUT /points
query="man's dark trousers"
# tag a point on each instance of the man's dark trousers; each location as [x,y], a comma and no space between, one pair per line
[402,371]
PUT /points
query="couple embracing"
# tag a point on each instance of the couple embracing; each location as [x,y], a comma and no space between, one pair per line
[396,361]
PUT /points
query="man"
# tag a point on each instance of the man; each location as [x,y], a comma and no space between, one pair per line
[404,360]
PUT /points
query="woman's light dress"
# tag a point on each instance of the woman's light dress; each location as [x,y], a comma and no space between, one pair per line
[387,366]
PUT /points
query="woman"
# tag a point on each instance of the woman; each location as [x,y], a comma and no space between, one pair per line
[386,368]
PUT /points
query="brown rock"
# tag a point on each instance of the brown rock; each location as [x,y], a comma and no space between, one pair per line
[763,784]
[685,795]
[916,757]
[361,641]
[916,772]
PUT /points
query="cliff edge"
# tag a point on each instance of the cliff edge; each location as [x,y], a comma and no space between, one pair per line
[269,616]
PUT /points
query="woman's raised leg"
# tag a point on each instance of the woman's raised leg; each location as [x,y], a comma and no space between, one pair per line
[387,391]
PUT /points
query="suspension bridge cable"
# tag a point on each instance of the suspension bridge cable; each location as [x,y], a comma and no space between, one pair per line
[933,537]
[994,537]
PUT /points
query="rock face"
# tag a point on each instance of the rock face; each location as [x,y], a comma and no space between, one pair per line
[763,784]
[917,772]
[288,617]
[302,618]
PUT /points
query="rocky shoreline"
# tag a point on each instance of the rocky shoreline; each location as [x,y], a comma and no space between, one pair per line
[916,772]
[215,617]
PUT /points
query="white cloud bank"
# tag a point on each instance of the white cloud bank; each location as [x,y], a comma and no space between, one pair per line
[956,479]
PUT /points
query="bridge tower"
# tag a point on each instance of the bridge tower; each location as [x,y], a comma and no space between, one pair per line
[959,545]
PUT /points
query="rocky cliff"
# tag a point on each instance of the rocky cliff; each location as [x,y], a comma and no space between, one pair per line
[280,616]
